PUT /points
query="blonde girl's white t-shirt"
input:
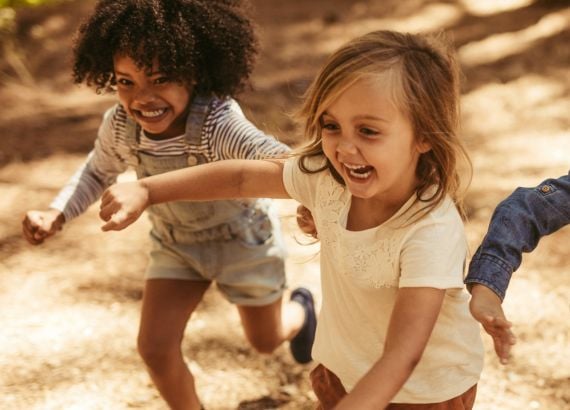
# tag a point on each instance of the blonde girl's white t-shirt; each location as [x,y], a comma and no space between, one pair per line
[360,276]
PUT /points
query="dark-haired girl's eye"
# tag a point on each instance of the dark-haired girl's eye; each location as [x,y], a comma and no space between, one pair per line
[161,80]
[124,82]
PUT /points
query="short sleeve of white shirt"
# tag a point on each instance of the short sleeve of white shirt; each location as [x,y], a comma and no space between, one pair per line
[299,185]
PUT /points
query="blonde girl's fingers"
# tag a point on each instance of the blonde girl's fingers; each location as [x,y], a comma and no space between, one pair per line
[110,225]
[117,221]
[106,198]
[107,211]
[104,214]
[104,202]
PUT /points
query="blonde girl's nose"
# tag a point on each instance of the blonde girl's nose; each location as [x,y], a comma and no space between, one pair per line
[345,145]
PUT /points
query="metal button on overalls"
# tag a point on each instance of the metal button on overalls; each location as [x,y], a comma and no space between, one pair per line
[192,160]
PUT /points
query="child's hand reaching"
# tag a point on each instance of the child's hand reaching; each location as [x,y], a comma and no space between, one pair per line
[40,225]
[486,308]
[306,222]
[122,204]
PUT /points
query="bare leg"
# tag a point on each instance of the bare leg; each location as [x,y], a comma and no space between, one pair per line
[167,306]
[266,327]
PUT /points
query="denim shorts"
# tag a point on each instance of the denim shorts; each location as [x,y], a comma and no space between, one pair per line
[250,273]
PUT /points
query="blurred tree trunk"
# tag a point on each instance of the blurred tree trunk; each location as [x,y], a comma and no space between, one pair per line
[9,51]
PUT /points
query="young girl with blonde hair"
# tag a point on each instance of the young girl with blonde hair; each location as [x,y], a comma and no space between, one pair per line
[380,177]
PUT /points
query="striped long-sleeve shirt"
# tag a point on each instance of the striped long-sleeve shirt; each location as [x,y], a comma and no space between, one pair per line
[226,134]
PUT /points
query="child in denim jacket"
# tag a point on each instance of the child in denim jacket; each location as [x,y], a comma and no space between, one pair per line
[516,226]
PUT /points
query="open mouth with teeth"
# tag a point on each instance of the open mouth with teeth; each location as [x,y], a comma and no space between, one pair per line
[151,115]
[358,171]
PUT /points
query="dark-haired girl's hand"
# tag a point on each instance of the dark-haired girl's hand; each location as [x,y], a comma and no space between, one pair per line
[37,226]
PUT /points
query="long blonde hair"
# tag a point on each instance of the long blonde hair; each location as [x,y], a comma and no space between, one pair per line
[424,78]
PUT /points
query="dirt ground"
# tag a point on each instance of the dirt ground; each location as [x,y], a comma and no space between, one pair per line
[69,308]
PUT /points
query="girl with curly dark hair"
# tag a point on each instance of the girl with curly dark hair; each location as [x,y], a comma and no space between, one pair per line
[175,66]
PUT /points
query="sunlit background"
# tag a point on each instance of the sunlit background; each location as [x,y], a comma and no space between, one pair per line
[69,308]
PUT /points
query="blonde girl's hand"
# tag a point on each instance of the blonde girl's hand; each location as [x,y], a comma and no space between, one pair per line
[40,225]
[122,204]
[485,306]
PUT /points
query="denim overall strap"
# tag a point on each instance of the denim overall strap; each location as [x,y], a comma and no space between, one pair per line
[245,219]
[194,128]
[132,130]
[196,117]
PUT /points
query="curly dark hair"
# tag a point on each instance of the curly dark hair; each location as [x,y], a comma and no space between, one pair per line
[211,42]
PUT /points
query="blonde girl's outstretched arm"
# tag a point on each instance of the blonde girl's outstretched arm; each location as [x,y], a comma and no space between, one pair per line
[412,321]
[122,204]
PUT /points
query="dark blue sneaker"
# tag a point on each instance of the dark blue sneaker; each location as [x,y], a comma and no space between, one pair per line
[302,343]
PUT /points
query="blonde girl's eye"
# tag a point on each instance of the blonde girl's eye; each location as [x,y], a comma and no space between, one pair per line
[368,132]
[328,125]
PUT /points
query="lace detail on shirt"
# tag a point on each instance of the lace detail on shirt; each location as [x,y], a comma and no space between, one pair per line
[370,259]
[371,264]
[331,201]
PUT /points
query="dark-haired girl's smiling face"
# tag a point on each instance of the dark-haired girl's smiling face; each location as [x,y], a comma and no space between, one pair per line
[157,103]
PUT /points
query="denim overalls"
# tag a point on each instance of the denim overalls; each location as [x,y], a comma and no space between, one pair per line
[235,243]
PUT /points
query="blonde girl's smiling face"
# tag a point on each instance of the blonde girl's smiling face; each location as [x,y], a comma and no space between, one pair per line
[157,103]
[371,143]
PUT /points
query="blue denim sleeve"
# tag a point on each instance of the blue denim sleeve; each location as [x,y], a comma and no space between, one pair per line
[516,226]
